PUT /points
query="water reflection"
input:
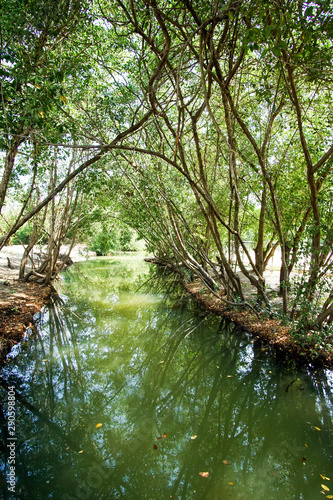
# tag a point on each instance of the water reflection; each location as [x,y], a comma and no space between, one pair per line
[144,367]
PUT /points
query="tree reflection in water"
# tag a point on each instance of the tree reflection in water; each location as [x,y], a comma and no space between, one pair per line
[143,366]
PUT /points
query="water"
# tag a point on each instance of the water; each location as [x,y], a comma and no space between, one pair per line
[177,395]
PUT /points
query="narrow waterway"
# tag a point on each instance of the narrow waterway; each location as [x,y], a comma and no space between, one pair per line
[122,394]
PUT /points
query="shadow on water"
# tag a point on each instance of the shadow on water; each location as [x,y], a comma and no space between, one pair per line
[177,392]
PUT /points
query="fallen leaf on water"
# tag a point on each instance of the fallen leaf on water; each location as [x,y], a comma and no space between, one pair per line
[231,484]
[44,359]
[303,460]
[317,428]
[194,437]
[155,447]
[329,496]
[164,436]
[98,426]
[80,451]
[161,362]
[306,445]
[225,462]
[204,474]
[230,376]
[325,487]
[324,477]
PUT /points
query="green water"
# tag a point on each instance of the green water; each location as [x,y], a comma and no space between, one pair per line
[145,366]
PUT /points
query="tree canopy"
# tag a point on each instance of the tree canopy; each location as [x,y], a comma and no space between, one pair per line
[205,126]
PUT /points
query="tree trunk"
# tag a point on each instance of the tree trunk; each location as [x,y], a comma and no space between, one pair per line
[9,162]
[259,250]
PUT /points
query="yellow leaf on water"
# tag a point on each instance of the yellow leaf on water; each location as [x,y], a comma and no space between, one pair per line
[204,474]
[225,462]
[329,496]
[98,426]
[230,376]
[317,428]
[325,487]
[306,445]
[80,451]
[324,477]
[194,437]
[44,359]
[231,484]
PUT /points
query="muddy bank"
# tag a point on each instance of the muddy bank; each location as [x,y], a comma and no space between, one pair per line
[274,335]
[20,301]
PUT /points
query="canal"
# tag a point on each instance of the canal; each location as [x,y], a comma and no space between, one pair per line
[126,392]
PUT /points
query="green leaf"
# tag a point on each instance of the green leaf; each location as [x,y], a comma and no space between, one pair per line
[264,52]
[266,32]
[308,12]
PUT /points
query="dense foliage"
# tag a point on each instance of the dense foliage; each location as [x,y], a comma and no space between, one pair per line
[204,126]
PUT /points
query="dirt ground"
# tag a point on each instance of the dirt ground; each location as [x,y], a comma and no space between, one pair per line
[20,301]
[272,333]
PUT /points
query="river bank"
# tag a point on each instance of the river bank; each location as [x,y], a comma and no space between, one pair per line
[275,336]
[20,301]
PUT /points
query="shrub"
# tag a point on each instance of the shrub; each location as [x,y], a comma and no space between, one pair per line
[103,242]
[22,236]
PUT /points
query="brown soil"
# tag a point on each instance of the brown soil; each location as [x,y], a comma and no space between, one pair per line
[272,332]
[19,302]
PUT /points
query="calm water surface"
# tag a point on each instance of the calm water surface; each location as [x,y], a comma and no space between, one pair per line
[129,395]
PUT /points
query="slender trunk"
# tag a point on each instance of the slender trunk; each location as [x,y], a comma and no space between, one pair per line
[33,240]
[259,250]
[284,272]
[72,175]
[323,315]
[9,162]
[269,252]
